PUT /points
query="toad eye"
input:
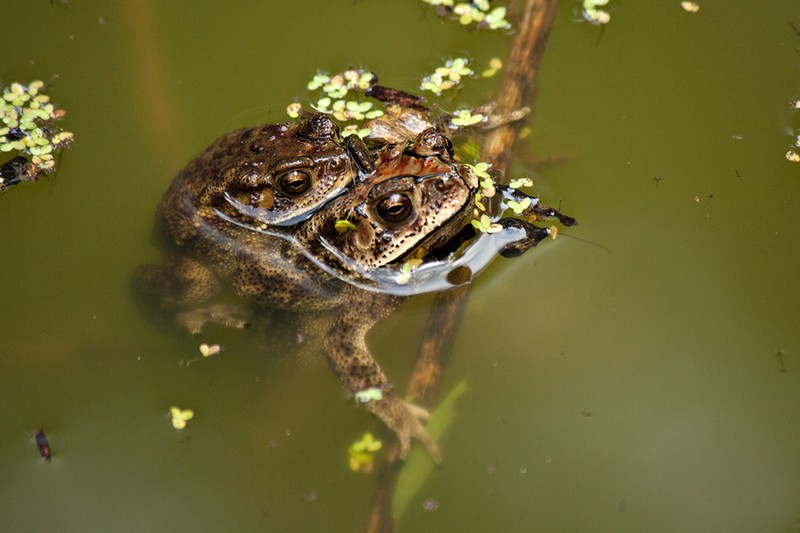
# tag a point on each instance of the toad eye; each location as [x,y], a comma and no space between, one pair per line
[394,208]
[294,182]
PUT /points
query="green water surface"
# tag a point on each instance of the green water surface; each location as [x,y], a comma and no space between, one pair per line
[627,379]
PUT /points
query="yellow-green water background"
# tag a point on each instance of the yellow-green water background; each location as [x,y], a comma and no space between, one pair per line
[630,386]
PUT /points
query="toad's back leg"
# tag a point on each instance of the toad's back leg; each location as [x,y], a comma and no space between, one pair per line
[359,372]
[183,284]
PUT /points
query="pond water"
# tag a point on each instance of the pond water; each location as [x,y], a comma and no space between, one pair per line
[625,377]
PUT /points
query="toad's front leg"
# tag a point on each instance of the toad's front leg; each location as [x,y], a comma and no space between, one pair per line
[347,352]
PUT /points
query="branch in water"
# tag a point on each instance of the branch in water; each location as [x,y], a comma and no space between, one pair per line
[516,90]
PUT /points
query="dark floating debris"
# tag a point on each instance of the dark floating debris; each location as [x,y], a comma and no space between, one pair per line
[42,444]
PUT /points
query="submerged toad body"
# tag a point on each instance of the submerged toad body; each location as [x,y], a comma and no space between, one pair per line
[414,200]
[339,245]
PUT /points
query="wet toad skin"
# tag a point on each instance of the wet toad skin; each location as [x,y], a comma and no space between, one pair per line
[276,174]
[414,200]
[335,250]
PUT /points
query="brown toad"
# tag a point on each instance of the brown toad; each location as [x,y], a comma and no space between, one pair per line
[348,256]
[277,174]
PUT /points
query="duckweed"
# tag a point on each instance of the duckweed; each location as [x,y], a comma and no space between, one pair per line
[373,394]
[477,12]
[485,225]
[342,95]
[344,225]
[362,453]
[180,416]
[495,64]
[446,77]
[405,271]
[464,117]
[592,14]
[691,7]
[519,207]
[28,127]
[520,182]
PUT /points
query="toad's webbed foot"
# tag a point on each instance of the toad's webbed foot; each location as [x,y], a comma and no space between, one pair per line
[223,314]
[489,119]
[541,212]
[405,419]
[518,235]
[395,97]
[495,119]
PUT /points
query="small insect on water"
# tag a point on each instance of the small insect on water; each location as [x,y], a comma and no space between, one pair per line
[42,444]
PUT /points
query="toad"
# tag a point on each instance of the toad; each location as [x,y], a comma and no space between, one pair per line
[396,228]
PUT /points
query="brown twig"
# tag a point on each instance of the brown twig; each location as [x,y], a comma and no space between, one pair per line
[517,89]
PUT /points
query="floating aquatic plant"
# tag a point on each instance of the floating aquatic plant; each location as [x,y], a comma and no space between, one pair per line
[519,207]
[495,64]
[477,12]
[520,182]
[481,169]
[447,77]
[484,224]
[691,7]
[465,117]
[373,394]
[405,271]
[180,416]
[28,128]
[344,225]
[348,98]
[353,129]
[207,350]
[343,96]
[353,97]
[592,14]
[362,453]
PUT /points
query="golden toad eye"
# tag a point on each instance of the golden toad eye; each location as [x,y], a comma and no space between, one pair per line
[294,182]
[394,208]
